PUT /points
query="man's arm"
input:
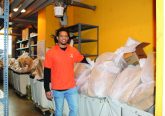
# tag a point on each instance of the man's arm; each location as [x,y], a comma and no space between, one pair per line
[84,60]
[47,75]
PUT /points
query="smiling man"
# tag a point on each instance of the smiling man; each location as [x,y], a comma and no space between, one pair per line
[59,70]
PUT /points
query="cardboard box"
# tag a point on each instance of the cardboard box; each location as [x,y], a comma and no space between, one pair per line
[139,50]
[132,58]
[25,34]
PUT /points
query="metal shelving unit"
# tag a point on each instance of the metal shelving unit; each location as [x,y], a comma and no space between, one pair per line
[33,46]
[21,46]
[4,100]
[28,45]
[78,28]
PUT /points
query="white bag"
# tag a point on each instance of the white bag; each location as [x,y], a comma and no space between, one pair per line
[125,83]
[141,92]
[102,78]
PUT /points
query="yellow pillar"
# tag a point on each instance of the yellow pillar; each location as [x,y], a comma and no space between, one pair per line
[159,57]
[48,24]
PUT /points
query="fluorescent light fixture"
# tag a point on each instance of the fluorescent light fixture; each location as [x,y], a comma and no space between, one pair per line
[15,9]
[23,10]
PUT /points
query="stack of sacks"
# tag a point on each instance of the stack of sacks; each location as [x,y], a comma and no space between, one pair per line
[125,83]
[143,95]
[103,75]
[16,67]
[130,46]
[82,72]
[37,68]
[11,62]
[129,78]
[25,62]
[1,64]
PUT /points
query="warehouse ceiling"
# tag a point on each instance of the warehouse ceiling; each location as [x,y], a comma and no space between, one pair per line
[20,19]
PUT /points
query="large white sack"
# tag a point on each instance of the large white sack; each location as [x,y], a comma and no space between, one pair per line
[107,56]
[125,83]
[132,41]
[81,72]
[130,46]
[148,69]
[83,89]
[141,92]
[102,78]
[146,103]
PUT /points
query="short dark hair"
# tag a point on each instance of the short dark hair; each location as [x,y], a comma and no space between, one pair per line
[62,29]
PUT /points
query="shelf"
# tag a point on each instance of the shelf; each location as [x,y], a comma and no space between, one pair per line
[83,27]
[22,41]
[77,30]
[35,45]
[22,48]
[84,41]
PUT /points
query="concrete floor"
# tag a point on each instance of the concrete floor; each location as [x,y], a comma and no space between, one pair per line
[20,106]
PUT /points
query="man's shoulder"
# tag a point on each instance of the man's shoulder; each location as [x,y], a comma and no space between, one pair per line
[72,48]
[51,50]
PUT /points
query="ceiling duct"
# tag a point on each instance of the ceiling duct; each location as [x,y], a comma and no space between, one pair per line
[73,3]
[78,4]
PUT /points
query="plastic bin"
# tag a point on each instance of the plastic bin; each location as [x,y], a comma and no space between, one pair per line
[43,101]
[33,84]
[20,82]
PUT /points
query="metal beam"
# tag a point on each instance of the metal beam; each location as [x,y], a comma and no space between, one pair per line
[48,2]
[33,7]
[25,4]
[15,3]
[24,21]
[78,4]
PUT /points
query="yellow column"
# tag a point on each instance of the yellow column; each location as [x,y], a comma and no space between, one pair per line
[48,24]
[159,57]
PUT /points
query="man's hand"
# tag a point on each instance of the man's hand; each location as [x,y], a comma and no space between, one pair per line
[49,95]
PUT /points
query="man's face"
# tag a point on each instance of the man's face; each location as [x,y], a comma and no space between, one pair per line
[63,38]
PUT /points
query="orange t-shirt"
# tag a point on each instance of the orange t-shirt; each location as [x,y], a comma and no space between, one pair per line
[61,64]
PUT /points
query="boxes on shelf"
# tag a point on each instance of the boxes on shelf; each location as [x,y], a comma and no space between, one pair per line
[25,34]
[133,57]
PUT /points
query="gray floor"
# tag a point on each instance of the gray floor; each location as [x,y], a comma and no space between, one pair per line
[20,106]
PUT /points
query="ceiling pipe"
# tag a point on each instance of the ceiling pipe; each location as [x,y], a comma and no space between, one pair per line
[15,4]
[73,3]
[25,4]
[32,8]
[78,4]
[48,2]
[25,21]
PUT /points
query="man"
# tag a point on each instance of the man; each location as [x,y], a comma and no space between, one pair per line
[59,70]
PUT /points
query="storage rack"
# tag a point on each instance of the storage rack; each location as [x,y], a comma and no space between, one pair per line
[22,45]
[78,28]
[28,45]
[33,46]
[4,100]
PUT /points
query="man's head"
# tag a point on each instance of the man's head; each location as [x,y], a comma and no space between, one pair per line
[62,36]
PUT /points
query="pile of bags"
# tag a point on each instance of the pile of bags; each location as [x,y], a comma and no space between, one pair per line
[37,68]
[25,64]
[111,76]
[22,64]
